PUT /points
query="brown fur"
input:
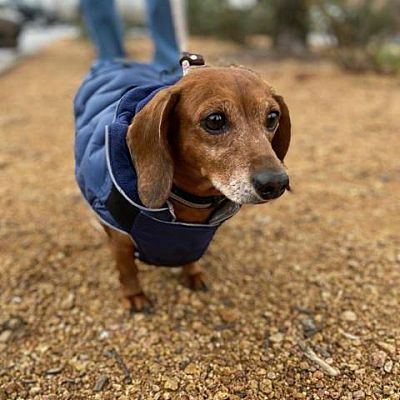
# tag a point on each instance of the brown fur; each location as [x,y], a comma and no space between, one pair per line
[168,145]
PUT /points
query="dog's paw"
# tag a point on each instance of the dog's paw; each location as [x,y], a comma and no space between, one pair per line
[196,281]
[139,303]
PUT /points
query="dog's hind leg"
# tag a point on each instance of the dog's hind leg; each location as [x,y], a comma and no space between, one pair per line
[193,277]
[123,251]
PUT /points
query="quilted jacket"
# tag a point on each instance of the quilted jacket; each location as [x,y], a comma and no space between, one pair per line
[106,103]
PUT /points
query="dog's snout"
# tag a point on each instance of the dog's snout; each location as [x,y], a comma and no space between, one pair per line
[270,185]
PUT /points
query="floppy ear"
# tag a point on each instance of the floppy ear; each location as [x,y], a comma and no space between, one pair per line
[148,145]
[281,139]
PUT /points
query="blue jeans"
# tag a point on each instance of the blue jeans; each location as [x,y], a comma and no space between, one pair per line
[105,29]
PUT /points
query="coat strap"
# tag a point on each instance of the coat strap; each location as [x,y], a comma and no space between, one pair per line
[121,209]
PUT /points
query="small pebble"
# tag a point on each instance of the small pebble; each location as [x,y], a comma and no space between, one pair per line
[266,386]
[104,335]
[261,371]
[54,371]
[5,336]
[309,328]
[388,390]
[69,302]
[348,316]
[388,366]
[360,394]
[377,359]
[388,347]
[49,397]
[318,375]
[276,338]
[35,390]
[100,383]
[353,264]
[222,396]
[15,300]
[229,315]
[15,323]
[171,384]
[192,369]
[271,375]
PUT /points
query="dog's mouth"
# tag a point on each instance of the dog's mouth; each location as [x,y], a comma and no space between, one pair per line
[248,192]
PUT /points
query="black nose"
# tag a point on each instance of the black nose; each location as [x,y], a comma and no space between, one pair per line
[270,185]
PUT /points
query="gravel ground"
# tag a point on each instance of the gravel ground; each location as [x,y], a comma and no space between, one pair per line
[305,291]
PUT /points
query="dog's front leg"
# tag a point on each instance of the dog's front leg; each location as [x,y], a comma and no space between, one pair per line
[123,251]
[193,277]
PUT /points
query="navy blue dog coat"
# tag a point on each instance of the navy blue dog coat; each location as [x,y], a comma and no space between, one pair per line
[107,101]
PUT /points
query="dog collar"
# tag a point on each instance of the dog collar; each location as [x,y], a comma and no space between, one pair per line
[191,200]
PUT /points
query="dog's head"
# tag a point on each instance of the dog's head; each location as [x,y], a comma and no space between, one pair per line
[225,125]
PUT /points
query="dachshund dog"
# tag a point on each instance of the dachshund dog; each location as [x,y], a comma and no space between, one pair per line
[213,139]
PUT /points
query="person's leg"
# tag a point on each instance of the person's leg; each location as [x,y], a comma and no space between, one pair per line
[161,24]
[104,28]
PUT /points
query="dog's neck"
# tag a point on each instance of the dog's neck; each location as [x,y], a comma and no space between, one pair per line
[196,185]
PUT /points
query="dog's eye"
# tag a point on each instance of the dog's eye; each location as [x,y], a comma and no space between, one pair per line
[215,123]
[272,121]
